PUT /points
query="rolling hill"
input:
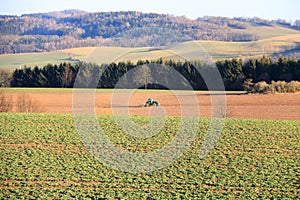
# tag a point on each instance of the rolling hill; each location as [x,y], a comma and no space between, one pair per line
[285,45]
[75,28]
[72,35]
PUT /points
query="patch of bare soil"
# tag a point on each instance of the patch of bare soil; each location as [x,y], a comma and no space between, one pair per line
[254,106]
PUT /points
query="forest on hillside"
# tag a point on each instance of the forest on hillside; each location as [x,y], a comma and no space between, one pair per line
[234,72]
[73,28]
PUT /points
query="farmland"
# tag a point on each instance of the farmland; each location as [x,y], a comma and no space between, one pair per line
[257,155]
[42,156]
[239,105]
[13,61]
[45,154]
[270,46]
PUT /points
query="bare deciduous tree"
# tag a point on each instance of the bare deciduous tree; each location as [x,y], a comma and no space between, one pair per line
[5,77]
[6,104]
[25,103]
[143,76]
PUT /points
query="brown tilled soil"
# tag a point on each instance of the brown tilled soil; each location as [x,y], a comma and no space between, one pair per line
[238,105]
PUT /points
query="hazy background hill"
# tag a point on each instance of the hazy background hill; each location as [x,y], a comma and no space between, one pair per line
[76,28]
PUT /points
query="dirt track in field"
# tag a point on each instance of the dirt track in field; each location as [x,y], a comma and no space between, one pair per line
[238,105]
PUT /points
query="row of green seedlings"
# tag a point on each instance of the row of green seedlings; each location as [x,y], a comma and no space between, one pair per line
[24,103]
[272,88]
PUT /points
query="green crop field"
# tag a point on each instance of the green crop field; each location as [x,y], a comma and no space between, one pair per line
[42,157]
[12,61]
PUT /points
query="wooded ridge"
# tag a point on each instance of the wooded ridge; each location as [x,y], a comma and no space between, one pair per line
[75,28]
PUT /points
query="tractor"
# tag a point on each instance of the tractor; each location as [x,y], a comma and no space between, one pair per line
[151,102]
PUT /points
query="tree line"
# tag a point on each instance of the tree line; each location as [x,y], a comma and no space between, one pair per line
[234,73]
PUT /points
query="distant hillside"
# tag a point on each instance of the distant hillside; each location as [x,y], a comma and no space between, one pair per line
[287,45]
[76,28]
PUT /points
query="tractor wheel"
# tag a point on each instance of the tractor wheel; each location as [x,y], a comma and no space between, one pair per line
[155,103]
[146,105]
